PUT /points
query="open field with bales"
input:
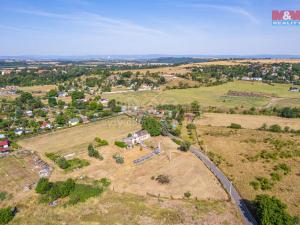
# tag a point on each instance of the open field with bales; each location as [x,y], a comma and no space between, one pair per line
[258,162]
[128,209]
[246,121]
[217,96]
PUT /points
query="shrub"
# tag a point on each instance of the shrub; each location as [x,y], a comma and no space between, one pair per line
[184,146]
[6,215]
[62,163]
[82,192]
[162,179]
[43,186]
[271,210]
[120,144]
[255,185]
[275,176]
[187,194]
[191,126]
[119,159]
[94,153]
[235,126]
[3,196]
[275,128]
[101,142]
[265,184]
[105,182]
[283,167]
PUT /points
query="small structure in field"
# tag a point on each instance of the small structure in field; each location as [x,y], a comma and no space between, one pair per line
[294,89]
[136,138]
[73,121]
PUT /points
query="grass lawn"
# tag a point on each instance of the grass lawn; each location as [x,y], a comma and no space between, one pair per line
[212,96]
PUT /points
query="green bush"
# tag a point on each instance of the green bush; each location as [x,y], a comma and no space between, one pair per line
[82,192]
[275,128]
[94,153]
[187,194]
[264,183]
[3,196]
[271,211]
[255,185]
[283,167]
[120,144]
[101,142]
[235,126]
[43,186]
[6,215]
[191,126]
[275,176]
[151,125]
[119,159]
[184,146]
[105,182]
[62,163]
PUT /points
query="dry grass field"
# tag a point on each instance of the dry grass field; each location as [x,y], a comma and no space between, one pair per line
[38,90]
[182,69]
[15,173]
[216,96]
[128,177]
[128,209]
[76,139]
[241,156]
[246,121]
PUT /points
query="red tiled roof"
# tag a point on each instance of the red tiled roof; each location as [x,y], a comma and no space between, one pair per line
[5,142]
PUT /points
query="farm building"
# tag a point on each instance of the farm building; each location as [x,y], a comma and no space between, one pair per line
[137,137]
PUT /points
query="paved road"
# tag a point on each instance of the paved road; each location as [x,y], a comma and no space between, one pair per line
[247,216]
[245,213]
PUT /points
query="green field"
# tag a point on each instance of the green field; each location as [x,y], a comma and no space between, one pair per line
[214,96]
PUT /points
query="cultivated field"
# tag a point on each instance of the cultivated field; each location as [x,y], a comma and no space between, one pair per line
[215,96]
[128,209]
[129,177]
[245,155]
[246,121]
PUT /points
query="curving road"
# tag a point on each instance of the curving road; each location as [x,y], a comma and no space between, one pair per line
[235,196]
[246,214]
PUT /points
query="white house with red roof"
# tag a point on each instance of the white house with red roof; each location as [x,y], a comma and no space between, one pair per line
[4,146]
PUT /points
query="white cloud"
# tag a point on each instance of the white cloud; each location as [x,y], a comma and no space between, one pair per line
[233,9]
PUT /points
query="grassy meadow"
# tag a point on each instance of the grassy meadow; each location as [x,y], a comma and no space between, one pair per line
[214,95]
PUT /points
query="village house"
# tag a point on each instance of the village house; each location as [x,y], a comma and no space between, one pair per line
[136,138]
[45,125]
[19,131]
[4,146]
[29,113]
[73,121]
[104,101]
[62,94]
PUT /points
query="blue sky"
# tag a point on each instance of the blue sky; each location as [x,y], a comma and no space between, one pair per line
[111,27]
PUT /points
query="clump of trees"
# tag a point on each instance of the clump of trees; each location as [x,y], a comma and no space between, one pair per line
[152,126]
[92,152]
[271,210]
[6,215]
[184,146]
[51,191]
